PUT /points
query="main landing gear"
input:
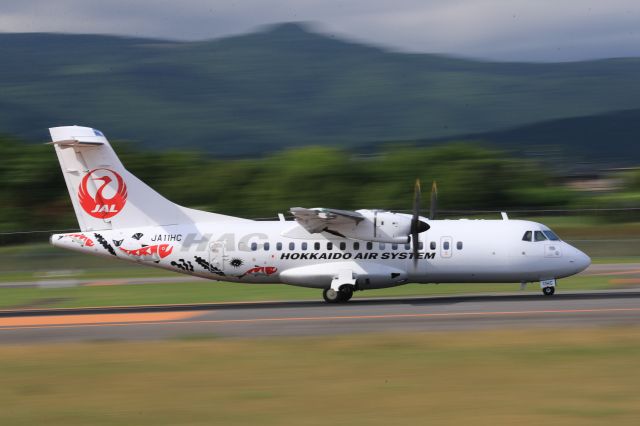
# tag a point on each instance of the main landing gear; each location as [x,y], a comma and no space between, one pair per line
[338,296]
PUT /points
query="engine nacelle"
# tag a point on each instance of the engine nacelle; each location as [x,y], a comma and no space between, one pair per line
[379,226]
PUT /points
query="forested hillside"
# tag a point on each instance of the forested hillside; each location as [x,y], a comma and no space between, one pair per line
[611,139]
[34,195]
[287,86]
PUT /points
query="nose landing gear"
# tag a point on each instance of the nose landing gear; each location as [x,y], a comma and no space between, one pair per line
[548,291]
[548,287]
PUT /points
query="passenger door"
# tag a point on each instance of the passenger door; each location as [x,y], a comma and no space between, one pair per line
[217,256]
[446,248]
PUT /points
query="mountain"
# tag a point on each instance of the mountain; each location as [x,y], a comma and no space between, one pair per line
[608,138]
[286,85]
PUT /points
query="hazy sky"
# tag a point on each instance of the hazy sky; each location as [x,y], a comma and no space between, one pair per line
[500,29]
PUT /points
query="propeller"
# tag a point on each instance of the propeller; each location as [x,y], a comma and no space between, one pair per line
[417,226]
[434,201]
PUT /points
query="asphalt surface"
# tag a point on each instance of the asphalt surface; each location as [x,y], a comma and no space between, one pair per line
[509,310]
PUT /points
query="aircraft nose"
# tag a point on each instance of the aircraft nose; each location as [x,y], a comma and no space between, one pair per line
[580,260]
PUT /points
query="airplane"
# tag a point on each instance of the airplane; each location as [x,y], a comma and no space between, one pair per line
[336,251]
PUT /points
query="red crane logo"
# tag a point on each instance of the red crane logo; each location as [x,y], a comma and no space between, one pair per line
[100,206]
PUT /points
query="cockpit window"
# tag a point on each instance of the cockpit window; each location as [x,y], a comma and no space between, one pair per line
[551,235]
[527,236]
[539,236]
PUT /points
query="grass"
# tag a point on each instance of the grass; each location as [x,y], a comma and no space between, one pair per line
[524,377]
[619,259]
[212,291]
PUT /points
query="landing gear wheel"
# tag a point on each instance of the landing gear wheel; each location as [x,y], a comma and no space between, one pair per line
[346,291]
[331,296]
[548,291]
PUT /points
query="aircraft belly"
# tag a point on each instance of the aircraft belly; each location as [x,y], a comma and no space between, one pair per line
[368,275]
[492,277]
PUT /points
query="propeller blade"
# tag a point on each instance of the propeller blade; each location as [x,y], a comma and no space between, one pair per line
[415,222]
[434,201]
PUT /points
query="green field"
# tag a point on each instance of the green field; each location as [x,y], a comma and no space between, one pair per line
[525,377]
[530,377]
[212,292]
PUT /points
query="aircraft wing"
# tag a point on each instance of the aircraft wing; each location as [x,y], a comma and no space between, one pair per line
[324,220]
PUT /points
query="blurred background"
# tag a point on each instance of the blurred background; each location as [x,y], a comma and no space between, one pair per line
[291,114]
[249,108]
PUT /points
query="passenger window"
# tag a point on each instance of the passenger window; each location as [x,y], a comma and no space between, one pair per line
[459,245]
[316,246]
[432,245]
[445,245]
[278,246]
[407,246]
[304,246]
[420,245]
[254,246]
[356,246]
[382,246]
[292,246]
[343,246]
[329,246]
[527,236]
[369,245]
[266,246]
[539,236]
[394,247]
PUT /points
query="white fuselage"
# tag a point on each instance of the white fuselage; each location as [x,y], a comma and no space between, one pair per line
[338,251]
[284,252]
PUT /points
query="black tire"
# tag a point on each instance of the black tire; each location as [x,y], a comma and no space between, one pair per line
[346,291]
[548,291]
[331,296]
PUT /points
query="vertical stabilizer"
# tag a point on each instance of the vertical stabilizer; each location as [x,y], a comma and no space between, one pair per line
[104,194]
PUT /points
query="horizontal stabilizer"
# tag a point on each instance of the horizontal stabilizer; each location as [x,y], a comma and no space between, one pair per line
[75,142]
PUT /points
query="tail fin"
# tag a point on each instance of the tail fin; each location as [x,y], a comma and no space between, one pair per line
[104,194]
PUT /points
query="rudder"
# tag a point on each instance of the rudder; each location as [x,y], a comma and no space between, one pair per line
[104,194]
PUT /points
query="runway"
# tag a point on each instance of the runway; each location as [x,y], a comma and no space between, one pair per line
[510,310]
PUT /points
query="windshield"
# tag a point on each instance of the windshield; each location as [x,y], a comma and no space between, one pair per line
[538,236]
[551,235]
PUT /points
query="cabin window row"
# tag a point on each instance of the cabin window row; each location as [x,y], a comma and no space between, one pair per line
[343,246]
[266,246]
